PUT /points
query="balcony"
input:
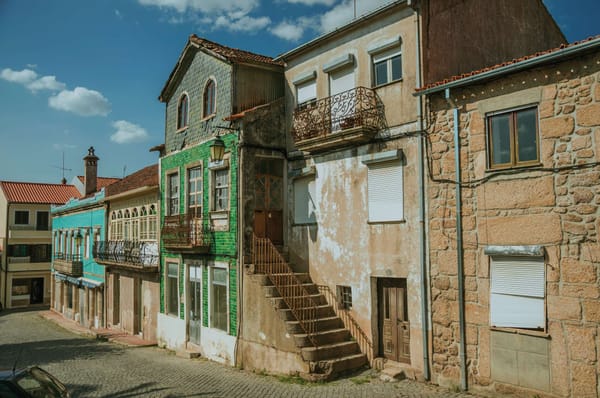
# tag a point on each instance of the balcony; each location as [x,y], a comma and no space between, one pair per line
[185,233]
[68,264]
[141,256]
[350,117]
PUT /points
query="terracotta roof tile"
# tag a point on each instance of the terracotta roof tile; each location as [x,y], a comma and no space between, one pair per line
[503,64]
[101,181]
[31,192]
[146,177]
[233,54]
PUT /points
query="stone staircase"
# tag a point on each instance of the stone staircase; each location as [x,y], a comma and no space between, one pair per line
[324,343]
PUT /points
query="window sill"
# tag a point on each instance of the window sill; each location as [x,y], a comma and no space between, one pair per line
[182,129]
[387,84]
[510,167]
[207,118]
[305,224]
[403,221]
[526,332]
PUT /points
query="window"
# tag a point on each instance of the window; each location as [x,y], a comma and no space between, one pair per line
[152,223]
[306,92]
[218,298]
[172,289]
[209,99]
[513,138]
[21,217]
[517,289]
[344,296]
[135,225]
[182,111]
[221,189]
[42,221]
[87,245]
[387,66]
[195,192]
[173,192]
[385,191]
[304,200]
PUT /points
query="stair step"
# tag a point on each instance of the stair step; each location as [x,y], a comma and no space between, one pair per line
[263,279]
[322,310]
[348,362]
[313,299]
[273,291]
[330,351]
[322,324]
[323,338]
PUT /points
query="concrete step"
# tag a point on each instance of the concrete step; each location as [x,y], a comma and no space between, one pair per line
[322,310]
[303,301]
[322,325]
[323,338]
[347,363]
[188,354]
[273,291]
[330,351]
[263,279]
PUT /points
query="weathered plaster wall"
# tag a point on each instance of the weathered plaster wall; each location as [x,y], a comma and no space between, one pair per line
[556,208]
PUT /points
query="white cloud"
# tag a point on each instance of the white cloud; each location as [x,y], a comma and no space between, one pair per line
[46,83]
[128,132]
[205,6]
[24,76]
[81,101]
[344,12]
[313,2]
[243,24]
[288,31]
[118,14]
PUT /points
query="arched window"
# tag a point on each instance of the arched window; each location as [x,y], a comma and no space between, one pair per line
[182,111]
[209,98]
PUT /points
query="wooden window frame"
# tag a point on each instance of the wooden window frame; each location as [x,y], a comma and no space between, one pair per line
[182,120]
[209,99]
[514,144]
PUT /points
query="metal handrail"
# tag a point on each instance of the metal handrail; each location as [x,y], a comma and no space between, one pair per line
[359,335]
[186,229]
[137,253]
[267,260]
[68,257]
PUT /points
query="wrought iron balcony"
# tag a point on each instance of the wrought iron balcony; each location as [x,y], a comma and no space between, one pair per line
[142,256]
[184,232]
[353,116]
[68,264]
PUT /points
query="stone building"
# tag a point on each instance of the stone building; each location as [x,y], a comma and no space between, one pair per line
[26,240]
[129,253]
[355,180]
[211,155]
[513,231]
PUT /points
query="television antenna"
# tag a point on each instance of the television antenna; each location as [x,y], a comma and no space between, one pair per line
[63,168]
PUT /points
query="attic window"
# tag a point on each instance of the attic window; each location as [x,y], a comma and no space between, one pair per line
[209,99]
[182,111]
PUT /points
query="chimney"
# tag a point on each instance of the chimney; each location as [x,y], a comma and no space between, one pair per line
[91,171]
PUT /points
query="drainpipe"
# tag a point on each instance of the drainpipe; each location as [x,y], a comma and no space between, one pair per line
[459,246]
[422,239]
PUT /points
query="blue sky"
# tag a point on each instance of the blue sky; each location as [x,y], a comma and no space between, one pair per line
[76,73]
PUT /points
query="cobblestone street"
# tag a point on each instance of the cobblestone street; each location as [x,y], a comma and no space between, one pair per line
[92,368]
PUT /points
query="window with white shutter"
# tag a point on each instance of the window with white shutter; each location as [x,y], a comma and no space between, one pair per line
[385,191]
[306,92]
[304,200]
[517,292]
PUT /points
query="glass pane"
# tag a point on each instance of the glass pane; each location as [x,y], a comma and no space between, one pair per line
[500,137]
[381,73]
[219,276]
[173,293]
[219,307]
[396,67]
[173,270]
[527,135]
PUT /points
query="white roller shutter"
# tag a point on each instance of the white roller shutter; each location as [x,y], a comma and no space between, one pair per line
[385,191]
[517,292]
[306,91]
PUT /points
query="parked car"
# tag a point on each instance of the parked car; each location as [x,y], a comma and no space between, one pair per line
[31,382]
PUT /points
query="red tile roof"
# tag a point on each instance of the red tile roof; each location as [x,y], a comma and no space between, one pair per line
[504,64]
[101,182]
[31,192]
[146,177]
[233,54]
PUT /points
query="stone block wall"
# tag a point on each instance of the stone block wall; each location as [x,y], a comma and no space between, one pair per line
[555,204]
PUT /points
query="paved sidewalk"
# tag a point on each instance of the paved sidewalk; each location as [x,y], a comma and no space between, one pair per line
[111,335]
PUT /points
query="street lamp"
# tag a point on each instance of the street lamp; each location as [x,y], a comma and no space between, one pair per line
[217,149]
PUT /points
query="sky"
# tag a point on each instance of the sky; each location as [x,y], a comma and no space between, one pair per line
[81,73]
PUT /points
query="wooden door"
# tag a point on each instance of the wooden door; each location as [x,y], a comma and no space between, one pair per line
[394,325]
[268,213]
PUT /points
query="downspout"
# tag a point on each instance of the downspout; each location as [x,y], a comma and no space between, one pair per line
[422,239]
[459,245]
[240,251]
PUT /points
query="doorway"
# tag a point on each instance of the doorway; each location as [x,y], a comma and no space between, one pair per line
[394,328]
[268,191]
[195,303]
[36,293]
[342,106]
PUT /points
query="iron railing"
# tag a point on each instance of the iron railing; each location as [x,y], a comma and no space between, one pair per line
[359,106]
[359,335]
[185,230]
[69,264]
[134,253]
[267,260]
[68,257]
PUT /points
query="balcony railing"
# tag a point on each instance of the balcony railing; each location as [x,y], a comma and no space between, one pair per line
[68,264]
[185,232]
[351,116]
[125,253]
